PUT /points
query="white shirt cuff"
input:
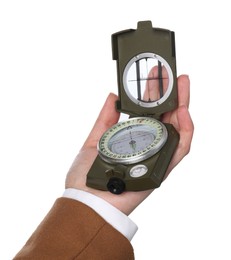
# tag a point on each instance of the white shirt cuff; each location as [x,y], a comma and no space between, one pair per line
[112,215]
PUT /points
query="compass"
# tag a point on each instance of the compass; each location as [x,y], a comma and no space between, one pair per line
[132,141]
[134,154]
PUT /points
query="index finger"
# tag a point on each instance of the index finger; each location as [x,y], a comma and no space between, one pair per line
[183,83]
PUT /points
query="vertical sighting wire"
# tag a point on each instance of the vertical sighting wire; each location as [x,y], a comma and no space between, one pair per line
[138,80]
[160,79]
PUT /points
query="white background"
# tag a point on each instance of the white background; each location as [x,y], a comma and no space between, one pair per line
[56,71]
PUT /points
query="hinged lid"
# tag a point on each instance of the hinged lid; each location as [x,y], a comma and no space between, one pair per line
[146,67]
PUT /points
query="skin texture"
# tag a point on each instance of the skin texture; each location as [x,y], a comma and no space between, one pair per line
[128,201]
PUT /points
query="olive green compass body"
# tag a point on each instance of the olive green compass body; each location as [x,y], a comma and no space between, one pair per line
[134,154]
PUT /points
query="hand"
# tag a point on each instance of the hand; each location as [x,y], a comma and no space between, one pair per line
[128,201]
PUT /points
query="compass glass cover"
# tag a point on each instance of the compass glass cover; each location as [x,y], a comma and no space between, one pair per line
[148,79]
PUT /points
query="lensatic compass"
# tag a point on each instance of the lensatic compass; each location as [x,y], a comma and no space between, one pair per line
[133,155]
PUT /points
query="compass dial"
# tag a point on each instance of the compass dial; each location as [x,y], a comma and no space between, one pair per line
[132,141]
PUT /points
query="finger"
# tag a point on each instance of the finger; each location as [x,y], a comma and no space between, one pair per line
[157,83]
[183,83]
[151,92]
[108,116]
[186,129]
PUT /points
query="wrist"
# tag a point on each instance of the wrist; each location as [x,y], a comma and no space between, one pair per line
[125,202]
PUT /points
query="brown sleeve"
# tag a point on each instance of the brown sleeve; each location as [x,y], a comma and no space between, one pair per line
[72,230]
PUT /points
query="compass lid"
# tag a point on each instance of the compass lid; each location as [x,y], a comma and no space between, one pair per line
[146,70]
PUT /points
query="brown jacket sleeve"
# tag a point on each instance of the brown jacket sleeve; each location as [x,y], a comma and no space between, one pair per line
[72,230]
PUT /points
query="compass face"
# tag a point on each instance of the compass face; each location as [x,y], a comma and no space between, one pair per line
[132,141]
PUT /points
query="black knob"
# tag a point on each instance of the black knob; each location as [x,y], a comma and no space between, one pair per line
[116,185]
